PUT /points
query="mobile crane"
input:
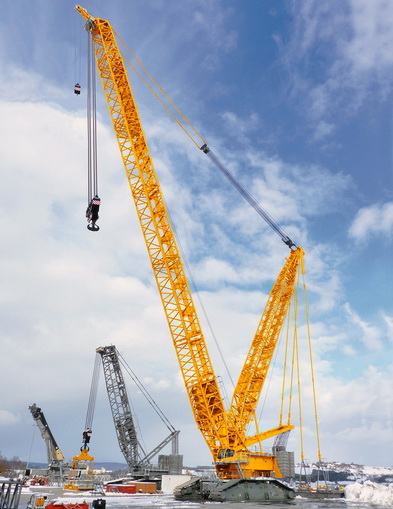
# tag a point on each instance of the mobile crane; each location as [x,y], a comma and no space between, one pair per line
[137,459]
[54,454]
[224,431]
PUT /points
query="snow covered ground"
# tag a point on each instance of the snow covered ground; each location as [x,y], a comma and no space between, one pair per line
[370,493]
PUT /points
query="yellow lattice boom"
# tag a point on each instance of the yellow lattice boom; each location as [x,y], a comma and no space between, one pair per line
[224,432]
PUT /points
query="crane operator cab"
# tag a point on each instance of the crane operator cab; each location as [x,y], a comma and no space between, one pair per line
[92,214]
[225,453]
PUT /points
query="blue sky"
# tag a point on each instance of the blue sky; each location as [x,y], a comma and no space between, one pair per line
[296,98]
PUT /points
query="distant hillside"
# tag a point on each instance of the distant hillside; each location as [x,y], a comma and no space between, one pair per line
[108,465]
[351,472]
[336,472]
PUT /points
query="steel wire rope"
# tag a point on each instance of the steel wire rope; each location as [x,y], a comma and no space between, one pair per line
[77,51]
[145,393]
[242,190]
[35,425]
[288,321]
[141,445]
[163,93]
[76,31]
[197,293]
[297,365]
[266,387]
[312,370]
[93,393]
[290,376]
[88,117]
[92,176]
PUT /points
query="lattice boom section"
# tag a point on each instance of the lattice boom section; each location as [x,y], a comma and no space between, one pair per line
[253,375]
[168,269]
[120,407]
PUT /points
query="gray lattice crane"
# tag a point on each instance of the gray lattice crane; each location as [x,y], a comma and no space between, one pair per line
[136,457]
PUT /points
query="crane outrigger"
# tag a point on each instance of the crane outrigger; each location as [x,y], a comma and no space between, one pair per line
[243,472]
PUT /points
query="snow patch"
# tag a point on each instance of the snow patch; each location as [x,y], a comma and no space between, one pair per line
[370,492]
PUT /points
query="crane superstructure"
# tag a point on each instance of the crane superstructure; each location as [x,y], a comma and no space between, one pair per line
[223,430]
[54,454]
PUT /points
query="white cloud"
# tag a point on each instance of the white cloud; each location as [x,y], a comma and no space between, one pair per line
[389,325]
[241,126]
[67,291]
[374,220]
[371,335]
[7,418]
[323,129]
[369,47]
[365,406]
[353,39]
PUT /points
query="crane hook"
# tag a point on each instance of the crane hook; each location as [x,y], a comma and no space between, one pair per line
[92,214]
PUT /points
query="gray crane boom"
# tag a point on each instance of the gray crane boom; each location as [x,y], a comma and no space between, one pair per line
[54,454]
[130,446]
[53,451]
[120,406]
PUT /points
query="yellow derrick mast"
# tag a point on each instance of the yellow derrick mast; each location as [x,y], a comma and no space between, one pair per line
[224,431]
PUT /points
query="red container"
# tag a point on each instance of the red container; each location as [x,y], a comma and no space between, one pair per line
[121,488]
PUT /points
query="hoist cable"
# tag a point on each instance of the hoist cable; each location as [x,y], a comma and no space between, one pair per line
[77,52]
[75,49]
[88,107]
[94,124]
[93,392]
[92,177]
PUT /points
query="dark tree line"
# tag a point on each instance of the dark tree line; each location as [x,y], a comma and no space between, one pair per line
[8,467]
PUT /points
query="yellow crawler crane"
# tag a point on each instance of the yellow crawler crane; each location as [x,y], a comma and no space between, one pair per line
[224,431]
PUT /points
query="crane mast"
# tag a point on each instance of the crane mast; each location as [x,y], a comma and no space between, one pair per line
[224,432]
